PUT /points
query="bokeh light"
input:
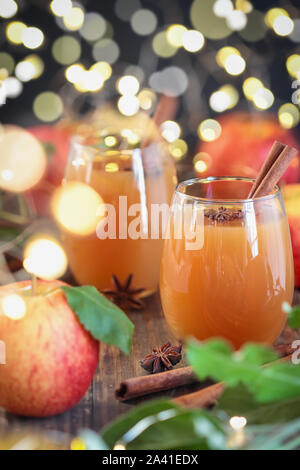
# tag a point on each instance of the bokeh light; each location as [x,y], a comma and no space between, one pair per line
[202,162]
[8,8]
[23,160]
[178,149]
[13,306]
[170,130]
[7,62]
[293,65]
[263,98]
[274,13]
[236,20]
[66,50]
[61,7]
[103,68]
[25,71]
[171,81]
[48,106]
[224,53]
[14,31]
[128,85]
[32,37]
[143,22]
[209,130]
[162,46]
[73,19]
[219,101]
[74,73]
[283,25]
[250,86]
[37,63]
[175,34]
[106,50]
[94,27]
[235,64]
[288,115]
[128,105]
[76,208]
[147,98]
[193,40]
[45,257]
[204,19]
[13,87]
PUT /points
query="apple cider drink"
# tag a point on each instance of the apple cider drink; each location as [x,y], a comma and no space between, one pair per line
[233,281]
[104,209]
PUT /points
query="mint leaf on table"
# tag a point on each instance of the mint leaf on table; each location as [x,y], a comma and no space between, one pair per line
[293,314]
[103,319]
[161,424]
[238,401]
[217,360]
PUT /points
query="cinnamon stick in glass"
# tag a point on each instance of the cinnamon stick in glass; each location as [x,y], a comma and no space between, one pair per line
[146,384]
[277,161]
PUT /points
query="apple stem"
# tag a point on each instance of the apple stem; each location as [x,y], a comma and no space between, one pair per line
[33,278]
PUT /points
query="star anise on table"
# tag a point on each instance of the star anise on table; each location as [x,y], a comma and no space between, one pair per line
[163,358]
[223,214]
[123,295]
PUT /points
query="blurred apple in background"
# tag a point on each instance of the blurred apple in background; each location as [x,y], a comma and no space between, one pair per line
[291,195]
[50,358]
[56,143]
[243,145]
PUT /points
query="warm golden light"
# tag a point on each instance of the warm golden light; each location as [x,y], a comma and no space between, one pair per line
[193,40]
[45,257]
[201,161]
[61,7]
[74,73]
[234,64]
[74,19]
[263,98]
[77,444]
[170,131]
[219,101]
[274,13]
[128,85]
[37,63]
[178,149]
[283,25]
[13,306]
[111,167]
[32,37]
[250,86]
[147,98]
[90,80]
[224,53]
[8,8]
[162,46]
[14,31]
[128,105]
[293,65]
[288,115]
[23,160]
[175,34]
[110,141]
[238,422]
[209,130]
[103,68]
[76,207]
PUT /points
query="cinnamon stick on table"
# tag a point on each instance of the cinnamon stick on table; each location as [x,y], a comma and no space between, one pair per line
[146,384]
[275,164]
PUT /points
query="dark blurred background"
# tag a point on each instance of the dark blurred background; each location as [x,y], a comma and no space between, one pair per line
[42,40]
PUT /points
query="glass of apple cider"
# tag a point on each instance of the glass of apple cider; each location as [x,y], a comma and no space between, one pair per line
[104,205]
[227,263]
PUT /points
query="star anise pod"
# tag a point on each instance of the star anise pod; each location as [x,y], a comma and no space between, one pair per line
[222,214]
[123,295]
[162,358]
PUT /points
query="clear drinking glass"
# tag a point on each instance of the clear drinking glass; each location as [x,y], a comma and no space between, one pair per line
[227,262]
[103,208]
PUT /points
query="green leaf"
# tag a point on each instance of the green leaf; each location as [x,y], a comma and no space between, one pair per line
[161,424]
[215,360]
[293,314]
[238,401]
[7,233]
[103,319]
[274,437]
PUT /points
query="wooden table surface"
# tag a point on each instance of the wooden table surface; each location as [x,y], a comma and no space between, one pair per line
[99,405]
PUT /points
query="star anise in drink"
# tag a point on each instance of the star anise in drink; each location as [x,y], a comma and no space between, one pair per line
[223,214]
[163,358]
[123,295]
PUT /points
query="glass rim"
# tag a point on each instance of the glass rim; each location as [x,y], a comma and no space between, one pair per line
[189,182]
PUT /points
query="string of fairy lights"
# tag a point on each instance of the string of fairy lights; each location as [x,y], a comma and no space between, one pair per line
[136,87]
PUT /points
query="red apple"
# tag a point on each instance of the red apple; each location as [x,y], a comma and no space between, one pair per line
[50,357]
[291,195]
[244,144]
[56,143]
